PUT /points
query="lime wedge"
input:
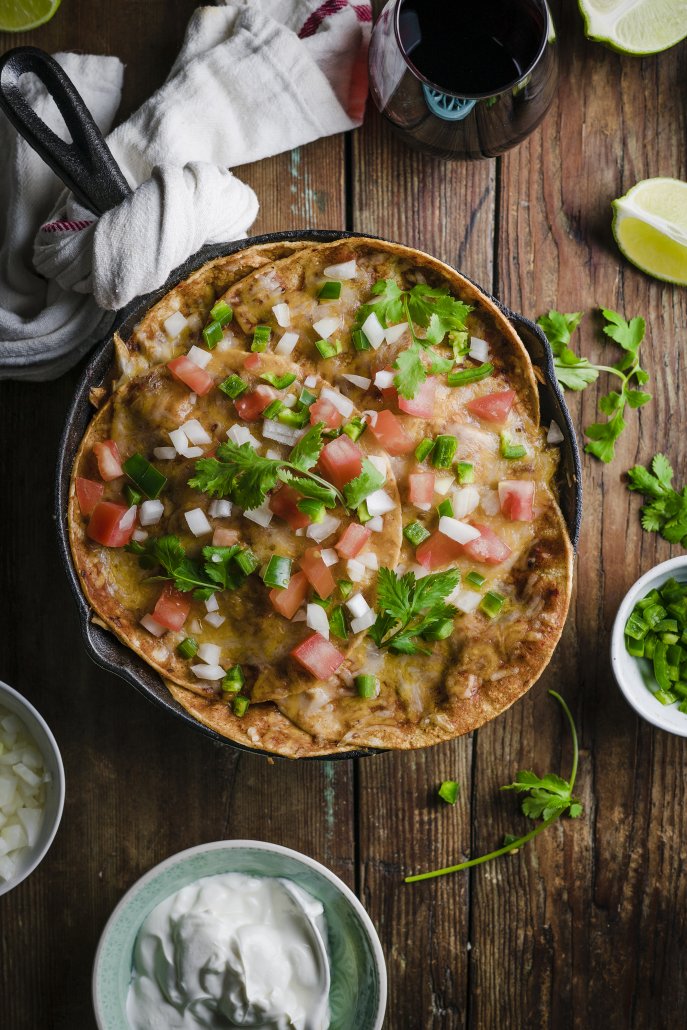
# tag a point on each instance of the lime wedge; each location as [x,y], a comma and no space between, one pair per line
[650,227]
[22,15]
[636,26]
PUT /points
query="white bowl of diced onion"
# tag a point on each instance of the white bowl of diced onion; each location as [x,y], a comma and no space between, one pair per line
[32,786]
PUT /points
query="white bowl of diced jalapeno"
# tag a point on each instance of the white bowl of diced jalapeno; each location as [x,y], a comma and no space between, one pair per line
[649,646]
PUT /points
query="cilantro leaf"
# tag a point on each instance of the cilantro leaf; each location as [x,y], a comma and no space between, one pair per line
[666,512]
[436,311]
[628,335]
[408,607]
[547,798]
[558,328]
[449,791]
[411,371]
[369,480]
[220,569]
[168,553]
[603,436]
[388,306]
[239,472]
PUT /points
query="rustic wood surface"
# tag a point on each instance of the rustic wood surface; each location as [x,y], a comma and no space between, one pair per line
[586,927]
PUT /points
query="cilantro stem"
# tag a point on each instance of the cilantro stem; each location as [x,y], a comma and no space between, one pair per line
[527,837]
[406,308]
[318,479]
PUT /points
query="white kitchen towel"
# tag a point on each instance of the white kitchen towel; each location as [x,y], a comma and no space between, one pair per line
[253,78]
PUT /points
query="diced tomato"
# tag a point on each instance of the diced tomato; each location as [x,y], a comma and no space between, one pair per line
[353,539]
[318,656]
[388,431]
[191,375]
[111,524]
[251,406]
[487,547]
[517,499]
[422,404]
[421,487]
[252,361]
[318,574]
[109,460]
[341,460]
[284,503]
[88,493]
[493,407]
[224,537]
[172,608]
[288,601]
[324,411]
[438,550]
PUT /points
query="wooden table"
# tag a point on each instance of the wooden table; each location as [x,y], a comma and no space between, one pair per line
[586,927]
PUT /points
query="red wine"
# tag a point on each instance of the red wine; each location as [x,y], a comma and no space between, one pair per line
[473,49]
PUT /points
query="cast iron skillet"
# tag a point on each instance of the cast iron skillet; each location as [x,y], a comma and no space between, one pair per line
[88,168]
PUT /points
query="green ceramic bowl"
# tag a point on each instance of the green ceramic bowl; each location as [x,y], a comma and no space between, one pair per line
[357,998]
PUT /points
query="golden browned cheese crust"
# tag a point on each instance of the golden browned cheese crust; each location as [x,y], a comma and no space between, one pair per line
[469,678]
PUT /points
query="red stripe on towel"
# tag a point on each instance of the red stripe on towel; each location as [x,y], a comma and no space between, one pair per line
[64,226]
[314,21]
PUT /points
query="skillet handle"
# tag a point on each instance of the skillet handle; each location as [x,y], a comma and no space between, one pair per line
[86,166]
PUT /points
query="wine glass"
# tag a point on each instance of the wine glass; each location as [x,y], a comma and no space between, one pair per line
[464,81]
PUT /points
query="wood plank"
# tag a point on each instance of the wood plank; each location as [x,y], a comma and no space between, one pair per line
[447,210]
[140,786]
[582,930]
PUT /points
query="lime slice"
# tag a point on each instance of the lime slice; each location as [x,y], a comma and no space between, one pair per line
[22,15]
[650,227]
[636,26]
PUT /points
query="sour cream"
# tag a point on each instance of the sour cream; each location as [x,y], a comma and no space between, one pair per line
[232,950]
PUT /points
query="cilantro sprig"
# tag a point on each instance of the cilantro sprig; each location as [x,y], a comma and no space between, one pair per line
[576,373]
[239,472]
[432,309]
[547,798]
[369,480]
[408,608]
[216,571]
[666,510]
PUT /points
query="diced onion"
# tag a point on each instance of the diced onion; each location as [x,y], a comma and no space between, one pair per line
[465,600]
[197,522]
[364,622]
[554,434]
[179,439]
[379,463]
[240,434]
[489,499]
[151,512]
[195,433]
[357,605]
[465,500]
[215,619]
[394,333]
[139,535]
[310,381]
[419,571]
[369,560]
[371,416]
[376,524]
[262,516]
[212,604]
[316,618]
[174,325]
[479,349]
[423,505]
[356,570]
[128,518]
[273,430]
[319,531]
[219,509]
[192,398]
[324,327]
[362,381]
[282,314]
[164,453]
[154,627]
[374,331]
[384,379]
[273,454]
[442,484]
[342,404]
[329,556]
[193,452]
[199,357]
[286,343]
[209,653]
[458,531]
[290,401]
[345,270]
[22,793]
[379,503]
[208,672]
